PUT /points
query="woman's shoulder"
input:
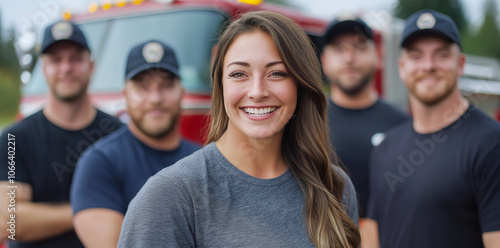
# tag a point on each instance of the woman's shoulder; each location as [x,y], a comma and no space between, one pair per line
[349,199]
[189,165]
[349,191]
[188,170]
[343,174]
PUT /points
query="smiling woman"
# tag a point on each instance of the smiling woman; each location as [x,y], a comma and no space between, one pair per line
[266,176]
[253,85]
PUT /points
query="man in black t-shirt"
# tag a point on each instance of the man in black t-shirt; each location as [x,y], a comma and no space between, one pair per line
[357,117]
[435,182]
[39,153]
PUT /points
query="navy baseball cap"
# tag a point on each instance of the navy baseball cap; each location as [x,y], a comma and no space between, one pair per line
[347,23]
[151,54]
[63,30]
[430,22]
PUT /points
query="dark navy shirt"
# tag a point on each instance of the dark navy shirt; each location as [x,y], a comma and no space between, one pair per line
[352,132]
[111,172]
[439,189]
[45,158]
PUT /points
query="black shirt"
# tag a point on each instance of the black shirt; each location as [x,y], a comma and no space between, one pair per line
[45,158]
[351,134]
[440,189]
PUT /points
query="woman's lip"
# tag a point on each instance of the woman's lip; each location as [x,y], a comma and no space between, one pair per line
[255,110]
[260,106]
[259,117]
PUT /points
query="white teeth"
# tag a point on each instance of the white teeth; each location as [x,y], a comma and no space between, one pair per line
[259,111]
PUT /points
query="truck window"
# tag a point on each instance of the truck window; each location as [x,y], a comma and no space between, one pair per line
[191,33]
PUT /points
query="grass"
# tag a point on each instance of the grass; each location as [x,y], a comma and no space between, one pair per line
[9,97]
[6,121]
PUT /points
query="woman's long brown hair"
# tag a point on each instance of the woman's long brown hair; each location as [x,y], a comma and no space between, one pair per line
[305,144]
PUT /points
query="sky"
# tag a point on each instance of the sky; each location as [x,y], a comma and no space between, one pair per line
[329,8]
[39,13]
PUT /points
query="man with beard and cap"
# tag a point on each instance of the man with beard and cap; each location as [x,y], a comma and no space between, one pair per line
[44,147]
[435,182]
[110,174]
[356,116]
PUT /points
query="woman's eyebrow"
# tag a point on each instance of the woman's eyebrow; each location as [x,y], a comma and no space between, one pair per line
[239,63]
[274,63]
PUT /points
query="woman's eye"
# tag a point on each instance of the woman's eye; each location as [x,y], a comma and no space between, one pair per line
[278,74]
[237,74]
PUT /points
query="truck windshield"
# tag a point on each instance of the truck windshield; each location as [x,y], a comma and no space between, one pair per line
[191,33]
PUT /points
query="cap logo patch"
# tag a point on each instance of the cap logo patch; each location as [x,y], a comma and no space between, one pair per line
[346,17]
[426,21]
[62,30]
[153,52]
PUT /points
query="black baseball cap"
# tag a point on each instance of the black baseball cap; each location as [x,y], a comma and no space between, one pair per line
[63,30]
[346,23]
[430,22]
[151,54]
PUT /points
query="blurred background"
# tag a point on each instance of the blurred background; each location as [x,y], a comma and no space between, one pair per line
[22,22]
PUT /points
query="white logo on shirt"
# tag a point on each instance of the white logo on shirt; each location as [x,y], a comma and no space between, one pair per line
[377,139]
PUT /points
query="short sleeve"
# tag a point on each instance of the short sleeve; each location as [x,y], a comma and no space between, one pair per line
[13,143]
[160,215]
[96,184]
[487,181]
[371,211]
[350,200]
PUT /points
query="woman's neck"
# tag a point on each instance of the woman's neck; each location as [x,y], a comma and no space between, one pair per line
[261,158]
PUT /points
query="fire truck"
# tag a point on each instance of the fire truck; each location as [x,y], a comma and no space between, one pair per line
[191,27]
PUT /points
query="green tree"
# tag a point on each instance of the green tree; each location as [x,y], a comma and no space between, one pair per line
[453,8]
[9,78]
[486,41]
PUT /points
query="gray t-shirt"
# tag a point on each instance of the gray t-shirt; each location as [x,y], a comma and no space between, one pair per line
[205,201]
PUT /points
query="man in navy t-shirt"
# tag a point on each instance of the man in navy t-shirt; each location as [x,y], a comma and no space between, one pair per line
[356,116]
[112,171]
[435,182]
[39,154]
